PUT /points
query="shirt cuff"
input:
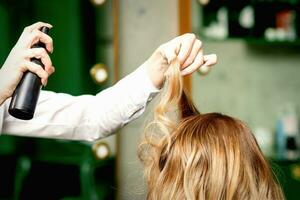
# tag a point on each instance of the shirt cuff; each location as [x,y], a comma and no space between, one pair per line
[146,82]
[144,89]
[140,90]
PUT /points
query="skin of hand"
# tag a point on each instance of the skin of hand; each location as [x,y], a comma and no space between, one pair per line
[187,48]
[18,60]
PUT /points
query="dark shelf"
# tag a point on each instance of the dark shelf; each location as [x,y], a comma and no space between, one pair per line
[268,15]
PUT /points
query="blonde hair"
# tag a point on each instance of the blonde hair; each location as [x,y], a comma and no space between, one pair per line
[188,155]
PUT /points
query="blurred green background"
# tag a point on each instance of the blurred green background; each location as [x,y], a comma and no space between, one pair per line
[53,169]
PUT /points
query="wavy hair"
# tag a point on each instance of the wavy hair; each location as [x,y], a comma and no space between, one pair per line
[188,155]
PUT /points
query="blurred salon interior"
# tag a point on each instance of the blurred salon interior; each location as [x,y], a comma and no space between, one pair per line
[97,42]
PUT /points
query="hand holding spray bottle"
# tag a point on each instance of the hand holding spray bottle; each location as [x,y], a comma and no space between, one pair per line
[25,97]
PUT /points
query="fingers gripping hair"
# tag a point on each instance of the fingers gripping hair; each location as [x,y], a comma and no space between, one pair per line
[174,95]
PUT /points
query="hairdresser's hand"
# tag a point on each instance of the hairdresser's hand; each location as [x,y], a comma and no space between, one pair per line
[18,60]
[187,48]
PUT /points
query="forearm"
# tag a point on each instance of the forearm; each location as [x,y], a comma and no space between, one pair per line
[86,117]
[57,115]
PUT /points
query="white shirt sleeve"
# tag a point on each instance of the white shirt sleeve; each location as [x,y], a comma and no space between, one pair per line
[85,117]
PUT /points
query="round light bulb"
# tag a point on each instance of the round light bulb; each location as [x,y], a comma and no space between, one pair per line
[101,75]
[98,2]
[101,150]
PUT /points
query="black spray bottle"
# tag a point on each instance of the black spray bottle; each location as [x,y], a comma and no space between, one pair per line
[25,97]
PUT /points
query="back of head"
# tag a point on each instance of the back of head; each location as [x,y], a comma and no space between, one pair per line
[201,156]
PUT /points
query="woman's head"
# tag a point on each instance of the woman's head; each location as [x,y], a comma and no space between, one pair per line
[213,156]
[201,156]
